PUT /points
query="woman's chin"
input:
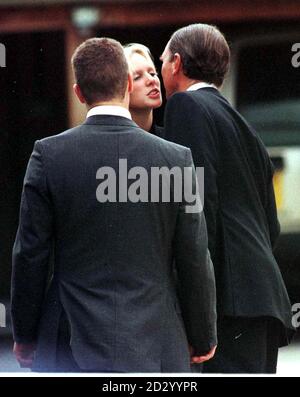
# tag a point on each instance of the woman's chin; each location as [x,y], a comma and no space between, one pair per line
[156,103]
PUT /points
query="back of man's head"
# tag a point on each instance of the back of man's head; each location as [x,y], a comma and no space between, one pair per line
[204,52]
[101,70]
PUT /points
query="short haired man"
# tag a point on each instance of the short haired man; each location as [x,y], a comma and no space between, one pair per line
[111,305]
[254,311]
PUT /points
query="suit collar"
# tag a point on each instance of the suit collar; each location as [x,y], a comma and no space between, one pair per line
[112,110]
[110,120]
[212,90]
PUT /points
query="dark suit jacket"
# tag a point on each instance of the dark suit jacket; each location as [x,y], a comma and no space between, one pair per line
[157,130]
[239,202]
[112,261]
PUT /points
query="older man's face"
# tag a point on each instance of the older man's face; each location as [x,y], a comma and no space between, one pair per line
[166,72]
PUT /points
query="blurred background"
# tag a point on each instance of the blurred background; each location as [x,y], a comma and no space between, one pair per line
[37,99]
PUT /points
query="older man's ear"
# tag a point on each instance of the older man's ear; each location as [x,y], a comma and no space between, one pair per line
[176,64]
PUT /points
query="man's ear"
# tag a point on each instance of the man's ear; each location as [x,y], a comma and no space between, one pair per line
[176,64]
[130,83]
[78,93]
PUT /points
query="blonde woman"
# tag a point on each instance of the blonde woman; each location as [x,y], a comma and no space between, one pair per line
[146,94]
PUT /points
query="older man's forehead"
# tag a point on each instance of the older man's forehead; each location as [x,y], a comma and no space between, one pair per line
[165,53]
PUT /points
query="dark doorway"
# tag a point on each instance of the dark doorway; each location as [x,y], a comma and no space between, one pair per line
[33,105]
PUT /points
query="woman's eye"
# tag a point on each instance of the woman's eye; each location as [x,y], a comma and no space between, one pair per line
[136,77]
[154,74]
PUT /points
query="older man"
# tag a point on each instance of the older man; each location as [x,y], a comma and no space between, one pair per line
[254,311]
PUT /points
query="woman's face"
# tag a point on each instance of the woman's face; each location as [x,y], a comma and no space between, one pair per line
[146,85]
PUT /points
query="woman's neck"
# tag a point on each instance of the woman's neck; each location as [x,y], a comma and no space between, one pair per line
[143,118]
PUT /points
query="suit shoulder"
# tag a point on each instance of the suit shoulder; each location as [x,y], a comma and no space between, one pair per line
[176,148]
[163,146]
[181,97]
[63,136]
[178,153]
[157,130]
[157,140]
[189,101]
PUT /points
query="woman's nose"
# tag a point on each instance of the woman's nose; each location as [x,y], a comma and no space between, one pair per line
[150,78]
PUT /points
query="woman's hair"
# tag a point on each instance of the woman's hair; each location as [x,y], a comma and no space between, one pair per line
[136,48]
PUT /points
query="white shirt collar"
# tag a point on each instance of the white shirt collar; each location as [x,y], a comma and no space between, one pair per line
[196,86]
[112,110]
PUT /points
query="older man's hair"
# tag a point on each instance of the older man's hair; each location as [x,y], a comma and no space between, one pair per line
[100,70]
[204,52]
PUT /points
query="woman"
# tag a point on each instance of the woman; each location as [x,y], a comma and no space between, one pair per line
[146,94]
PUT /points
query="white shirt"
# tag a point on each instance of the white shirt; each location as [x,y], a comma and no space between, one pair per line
[112,110]
[196,86]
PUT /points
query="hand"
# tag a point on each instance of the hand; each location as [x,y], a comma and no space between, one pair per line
[201,359]
[24,353]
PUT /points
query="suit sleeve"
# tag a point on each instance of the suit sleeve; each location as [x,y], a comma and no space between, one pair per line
[188,123]
[196,281]
[31,251]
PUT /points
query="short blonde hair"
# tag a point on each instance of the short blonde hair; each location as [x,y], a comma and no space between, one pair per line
[136,48]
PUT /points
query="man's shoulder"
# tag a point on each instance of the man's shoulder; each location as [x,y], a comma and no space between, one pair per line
[61,136]
[157,144]
[161,147]
[175,148]
[163,143]
[182,96]
[200,99]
